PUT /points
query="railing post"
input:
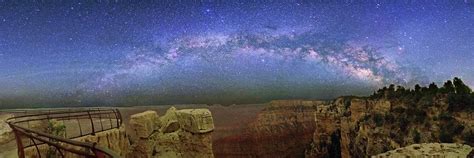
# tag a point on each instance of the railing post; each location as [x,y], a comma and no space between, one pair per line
[92,122]
[116,118]
[79,124]
[100,120]
[120,117]
[36,146]
[21,152]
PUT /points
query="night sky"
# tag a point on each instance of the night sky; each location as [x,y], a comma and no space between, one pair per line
[74,53]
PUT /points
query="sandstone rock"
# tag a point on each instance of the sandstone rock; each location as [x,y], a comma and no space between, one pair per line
[429,150]
[7,138]
[6,133]
[167,119]
[382,106]
[183,133]
[358,109]
[143,124]
[196,120]
[170,126]
[114,139]
[284,128]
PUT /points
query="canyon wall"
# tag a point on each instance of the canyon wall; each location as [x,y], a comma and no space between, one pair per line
[347,127]
[361,127]
[284,128]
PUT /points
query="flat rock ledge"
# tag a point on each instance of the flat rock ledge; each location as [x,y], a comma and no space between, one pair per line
[447,150]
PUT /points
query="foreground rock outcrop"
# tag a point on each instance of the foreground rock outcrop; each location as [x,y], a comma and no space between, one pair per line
[429,150]
[6,133]
[7,138]
[179,133]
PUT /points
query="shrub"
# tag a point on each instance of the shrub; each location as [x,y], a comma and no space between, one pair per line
[469,138]
[449,128]
[445,116]
[404,124]
[389,118]
[378,119]
[416,137]
[57,129]
[347,103]
[445,137]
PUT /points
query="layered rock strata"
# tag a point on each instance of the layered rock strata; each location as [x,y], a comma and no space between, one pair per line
[284,128]
[179,133]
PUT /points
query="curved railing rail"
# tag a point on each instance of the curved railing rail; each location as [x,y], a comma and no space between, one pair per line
[53,132]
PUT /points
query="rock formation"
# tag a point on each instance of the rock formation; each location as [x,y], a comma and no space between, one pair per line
[179,133]
[429,150]
[7,138]
[6,133]
[360,127]
[284,128]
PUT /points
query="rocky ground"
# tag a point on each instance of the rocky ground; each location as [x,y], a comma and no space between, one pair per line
[429,150]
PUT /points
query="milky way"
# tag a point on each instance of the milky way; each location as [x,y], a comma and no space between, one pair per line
[137,53]
[361,62]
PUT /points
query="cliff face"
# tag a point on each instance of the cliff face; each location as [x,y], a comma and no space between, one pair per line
[326,140]
[283,129]
[360,127]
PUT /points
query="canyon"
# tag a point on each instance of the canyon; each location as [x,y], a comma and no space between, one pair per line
[343,127]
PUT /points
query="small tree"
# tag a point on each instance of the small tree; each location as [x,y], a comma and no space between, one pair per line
[460,87]
[58,129]
[448,87]
[417,137]
[378,119]
[417,88]
[433,88]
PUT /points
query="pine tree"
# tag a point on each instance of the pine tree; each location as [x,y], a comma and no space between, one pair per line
[433,88]
[460,87]
[417,88]
[448,87]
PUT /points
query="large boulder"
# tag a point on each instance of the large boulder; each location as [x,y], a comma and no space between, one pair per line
[169,121]
[143,124]
[196,120]
[178,133]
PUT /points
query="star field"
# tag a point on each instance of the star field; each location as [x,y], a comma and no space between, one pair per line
[160,52]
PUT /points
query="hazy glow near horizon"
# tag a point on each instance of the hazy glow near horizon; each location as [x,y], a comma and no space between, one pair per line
[226,52]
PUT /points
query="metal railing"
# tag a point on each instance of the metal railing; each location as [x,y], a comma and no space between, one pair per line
[53,132]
